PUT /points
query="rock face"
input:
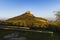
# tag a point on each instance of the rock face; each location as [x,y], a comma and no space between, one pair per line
[27,19]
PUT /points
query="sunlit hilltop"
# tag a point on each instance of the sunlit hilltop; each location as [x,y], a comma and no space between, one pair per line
[27,19]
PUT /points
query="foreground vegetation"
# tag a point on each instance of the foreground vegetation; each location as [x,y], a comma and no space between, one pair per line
[28,34]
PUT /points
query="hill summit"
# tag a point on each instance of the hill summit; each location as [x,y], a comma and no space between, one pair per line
[27,19]
[28,13]
[24,16]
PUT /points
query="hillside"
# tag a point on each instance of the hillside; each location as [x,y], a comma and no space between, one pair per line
[27,19]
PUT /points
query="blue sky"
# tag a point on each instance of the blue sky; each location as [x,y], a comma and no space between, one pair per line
[40,8]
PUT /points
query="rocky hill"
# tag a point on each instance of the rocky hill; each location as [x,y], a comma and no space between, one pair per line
[27,19]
